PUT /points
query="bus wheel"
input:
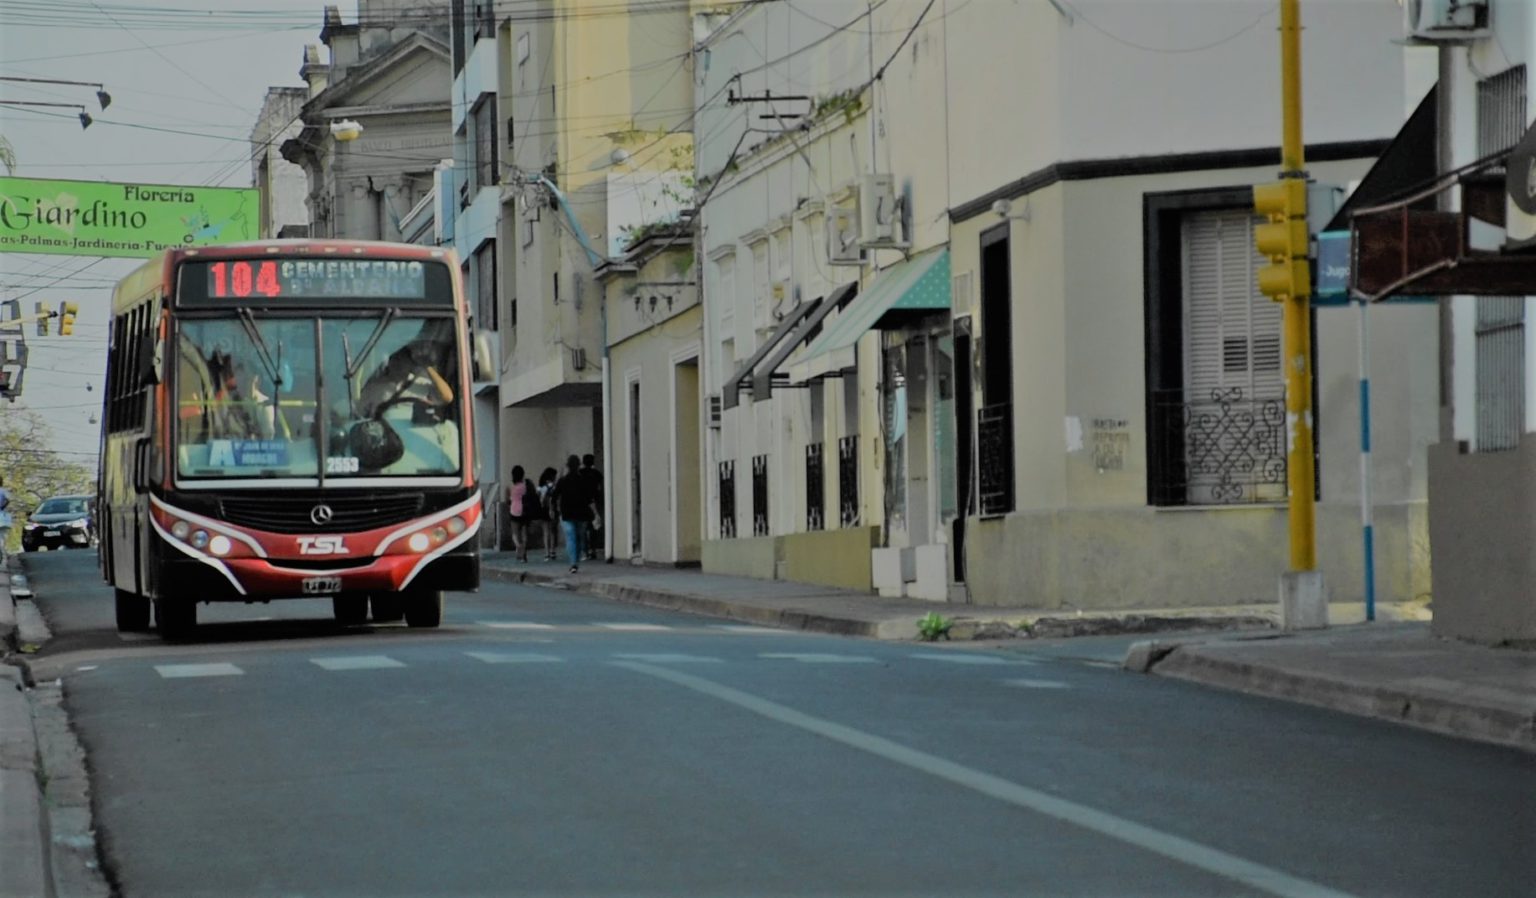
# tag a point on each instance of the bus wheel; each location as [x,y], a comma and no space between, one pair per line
[350,611]
[177,618]
[387,607]
[424,608]
[132,612]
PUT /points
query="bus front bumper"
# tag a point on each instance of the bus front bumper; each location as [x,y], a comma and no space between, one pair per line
[260,580]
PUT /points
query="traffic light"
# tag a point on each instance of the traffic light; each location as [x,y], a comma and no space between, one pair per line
[42,319]
[67,312]
[1283,238]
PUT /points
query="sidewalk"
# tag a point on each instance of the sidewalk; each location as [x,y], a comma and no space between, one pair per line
[23,856]
[1392,669]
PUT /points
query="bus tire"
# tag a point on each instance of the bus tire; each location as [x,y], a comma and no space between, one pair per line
[177,618]
[388,608]
[350,611]
[424,608]
[132,611]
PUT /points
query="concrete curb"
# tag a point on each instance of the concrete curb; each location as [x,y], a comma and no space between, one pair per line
[1459,714]
[785,618]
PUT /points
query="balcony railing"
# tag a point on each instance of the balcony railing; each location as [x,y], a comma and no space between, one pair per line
[1220,449]
[848,481]
[760,495]
[815,487]
[994,463]
[727,500]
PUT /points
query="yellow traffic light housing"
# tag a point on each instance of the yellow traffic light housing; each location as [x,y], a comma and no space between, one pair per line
[67,312]
[1283,239]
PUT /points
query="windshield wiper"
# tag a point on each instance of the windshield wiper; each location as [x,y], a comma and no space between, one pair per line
[274,369]
[354,366]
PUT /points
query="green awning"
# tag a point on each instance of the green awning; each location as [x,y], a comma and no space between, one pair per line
[918,286]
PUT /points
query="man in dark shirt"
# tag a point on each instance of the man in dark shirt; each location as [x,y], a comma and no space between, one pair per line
[575,495]
[594,527]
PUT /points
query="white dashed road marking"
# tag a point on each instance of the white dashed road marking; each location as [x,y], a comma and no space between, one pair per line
[671,659]
[179,671]
[817,658]
[357,662]
[1038,684]
[513,658]
[634,627]
[750,630]
[966,659]
[514,625]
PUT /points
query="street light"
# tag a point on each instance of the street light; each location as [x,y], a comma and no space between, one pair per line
[102,97]
[85,117]
[346,130]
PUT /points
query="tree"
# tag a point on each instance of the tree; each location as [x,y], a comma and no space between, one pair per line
[7,156]
[32,474]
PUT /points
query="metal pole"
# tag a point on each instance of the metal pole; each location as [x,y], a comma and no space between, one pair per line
[1364,357]
[1297,316]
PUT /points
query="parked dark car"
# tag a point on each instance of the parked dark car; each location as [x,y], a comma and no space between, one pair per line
[61,522]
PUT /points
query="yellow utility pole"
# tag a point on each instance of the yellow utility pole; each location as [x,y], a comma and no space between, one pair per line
[1287,279]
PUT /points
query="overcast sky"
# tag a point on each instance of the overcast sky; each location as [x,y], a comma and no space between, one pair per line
[197,72]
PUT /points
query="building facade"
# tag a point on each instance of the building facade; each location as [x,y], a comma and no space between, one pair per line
[281,183]
[1083,414]
[596,106]
[1482,470]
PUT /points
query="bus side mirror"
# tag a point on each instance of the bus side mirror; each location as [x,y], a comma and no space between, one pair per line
[484,358]
[151,360]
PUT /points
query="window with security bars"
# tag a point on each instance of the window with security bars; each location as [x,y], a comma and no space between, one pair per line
[1500,329]
[726,496]
[1230,414]
[486,162]
[485,286]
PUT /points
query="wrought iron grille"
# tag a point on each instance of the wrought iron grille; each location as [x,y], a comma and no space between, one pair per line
[727,500]
[994,462]
[1500,372]
[1220,450]
[759,495]
[848,481]
[815,488]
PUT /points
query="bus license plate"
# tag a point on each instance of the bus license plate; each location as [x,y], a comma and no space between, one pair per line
[314,586]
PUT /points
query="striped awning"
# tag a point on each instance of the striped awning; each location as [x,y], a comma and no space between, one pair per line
[918,285]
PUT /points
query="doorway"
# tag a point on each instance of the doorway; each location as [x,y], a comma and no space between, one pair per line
[687,465]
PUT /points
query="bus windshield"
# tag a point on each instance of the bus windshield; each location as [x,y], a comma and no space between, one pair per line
[250,403]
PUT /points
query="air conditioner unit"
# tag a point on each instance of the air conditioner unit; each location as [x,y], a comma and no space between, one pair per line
[879,215]
[843,237]
[714,413]
[1446,20]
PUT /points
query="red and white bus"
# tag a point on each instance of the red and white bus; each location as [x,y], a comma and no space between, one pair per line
[289,418]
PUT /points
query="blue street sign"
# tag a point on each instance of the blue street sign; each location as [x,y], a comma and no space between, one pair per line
[1332,269]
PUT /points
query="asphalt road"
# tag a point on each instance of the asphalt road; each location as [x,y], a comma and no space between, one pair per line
[546,743]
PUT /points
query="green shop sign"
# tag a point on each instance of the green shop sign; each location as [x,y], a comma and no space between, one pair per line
[95,218]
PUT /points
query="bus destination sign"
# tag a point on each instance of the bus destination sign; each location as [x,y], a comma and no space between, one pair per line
[316,279]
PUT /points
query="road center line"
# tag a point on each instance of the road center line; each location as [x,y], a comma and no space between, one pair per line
[1173,847]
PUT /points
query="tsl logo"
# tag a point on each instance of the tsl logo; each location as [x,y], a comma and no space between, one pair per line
[322,545]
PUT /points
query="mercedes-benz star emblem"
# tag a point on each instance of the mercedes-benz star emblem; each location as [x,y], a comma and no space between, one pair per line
[320,514]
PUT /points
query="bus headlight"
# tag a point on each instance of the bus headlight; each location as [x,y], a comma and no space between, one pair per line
[439,534]
[456,526]
[180,529]
[219,545]
[419,542]
[200,539]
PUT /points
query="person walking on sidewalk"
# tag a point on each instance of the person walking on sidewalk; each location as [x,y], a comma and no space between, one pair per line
[575,498]
[595,528]
[5,519]
[548,513]
[522,506]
